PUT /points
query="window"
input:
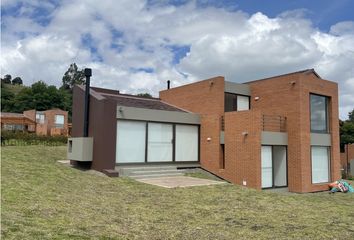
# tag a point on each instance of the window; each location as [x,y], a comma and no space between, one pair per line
[40,117]
[187,142]
[131,137]
[234,102]
[319,113]
[59,121]
[13,127]
[243,103]
[320,164]
[153,142]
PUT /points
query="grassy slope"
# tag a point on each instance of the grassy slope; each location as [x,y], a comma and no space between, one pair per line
[42,199]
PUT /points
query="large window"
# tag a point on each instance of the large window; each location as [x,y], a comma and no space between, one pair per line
[319,113]
[187,143]
[152,142]
[234,102]
[131,142]
[59,121]
[320,164]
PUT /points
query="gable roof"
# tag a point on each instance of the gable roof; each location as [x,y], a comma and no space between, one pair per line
[128,100]
[306,71]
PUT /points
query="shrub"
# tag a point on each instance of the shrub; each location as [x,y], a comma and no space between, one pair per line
[10,138]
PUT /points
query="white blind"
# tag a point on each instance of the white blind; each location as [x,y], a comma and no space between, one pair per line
[159,142]
[320,164]
[186,143]
[130,142]
[243,103]
[267,168]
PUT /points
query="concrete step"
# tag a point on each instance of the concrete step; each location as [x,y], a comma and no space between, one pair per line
[145,176]
[148,172]
[133,170]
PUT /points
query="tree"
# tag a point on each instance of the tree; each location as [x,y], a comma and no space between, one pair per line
[72,76]
[7,79]
[17,80]
[41,97]
[146,95]
[347,130]
[351,116]
[7,99]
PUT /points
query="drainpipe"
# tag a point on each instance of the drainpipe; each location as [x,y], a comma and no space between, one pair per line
[88,74]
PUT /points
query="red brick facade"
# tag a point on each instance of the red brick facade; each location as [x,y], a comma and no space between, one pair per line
[287,96]
[49,127]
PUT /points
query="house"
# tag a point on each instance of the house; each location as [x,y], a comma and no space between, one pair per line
[347,159]
[275,132]
[17,122]
[50,122]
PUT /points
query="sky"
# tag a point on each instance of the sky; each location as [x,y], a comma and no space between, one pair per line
[135,46]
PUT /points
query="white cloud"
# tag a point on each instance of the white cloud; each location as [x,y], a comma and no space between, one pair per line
[132,35]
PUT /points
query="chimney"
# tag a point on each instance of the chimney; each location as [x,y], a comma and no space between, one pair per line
[168,84]
[88,74]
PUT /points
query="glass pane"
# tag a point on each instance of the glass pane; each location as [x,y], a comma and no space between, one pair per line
[59,119]
[318,113]
[160,142]
[130,142]
[267,171]
[186,143]
[230,102]
[243,103]
[320,164]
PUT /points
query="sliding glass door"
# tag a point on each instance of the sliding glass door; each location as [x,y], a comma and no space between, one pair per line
[267,167]
[274,166]
[130,142]
[187,140]
[151,142]
[160,142]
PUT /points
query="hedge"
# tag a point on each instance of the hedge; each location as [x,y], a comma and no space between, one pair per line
[19,138]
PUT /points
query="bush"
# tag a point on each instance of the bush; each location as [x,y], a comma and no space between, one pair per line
[16,138]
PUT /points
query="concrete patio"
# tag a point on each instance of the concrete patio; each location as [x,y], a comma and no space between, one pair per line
[179,181]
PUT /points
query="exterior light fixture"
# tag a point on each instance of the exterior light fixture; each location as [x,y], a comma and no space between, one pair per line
[209,139]
[256,98]
[244,133]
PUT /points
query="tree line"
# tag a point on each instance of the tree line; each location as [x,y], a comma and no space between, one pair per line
[40,96]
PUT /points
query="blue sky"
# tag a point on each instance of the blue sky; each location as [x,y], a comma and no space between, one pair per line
[136,45]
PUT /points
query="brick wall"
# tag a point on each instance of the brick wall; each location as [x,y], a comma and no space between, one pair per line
[243,148]
[204,97]
[280,97]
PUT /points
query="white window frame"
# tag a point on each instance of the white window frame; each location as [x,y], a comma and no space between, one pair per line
[59,125]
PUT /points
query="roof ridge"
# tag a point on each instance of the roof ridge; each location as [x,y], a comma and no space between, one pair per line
[312,70]
[131,96]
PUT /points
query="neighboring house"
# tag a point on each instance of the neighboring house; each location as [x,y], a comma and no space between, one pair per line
[17,122]
[50,122]
[347,159]
[276,132]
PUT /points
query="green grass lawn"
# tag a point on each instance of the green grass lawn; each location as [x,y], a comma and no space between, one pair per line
[43,199]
